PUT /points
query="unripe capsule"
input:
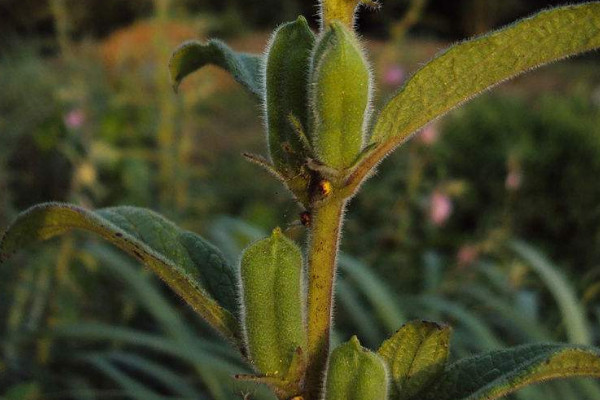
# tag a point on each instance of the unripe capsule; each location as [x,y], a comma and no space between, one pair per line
[287,73]
[355,373]
[340,95]
[271,276]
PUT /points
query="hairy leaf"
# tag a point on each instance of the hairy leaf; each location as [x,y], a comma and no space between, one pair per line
[495,374]
[192,55]
[468,68]
[415,355]
[192,267]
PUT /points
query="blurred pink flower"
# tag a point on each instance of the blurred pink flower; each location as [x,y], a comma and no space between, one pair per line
[467,255]
[74,119]
[429,135]
[394,75]
[440,208]
[513,180]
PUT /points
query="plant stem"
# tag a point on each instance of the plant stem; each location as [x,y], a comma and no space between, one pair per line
[323,248]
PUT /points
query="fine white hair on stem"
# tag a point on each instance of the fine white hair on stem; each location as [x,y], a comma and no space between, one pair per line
[263,77]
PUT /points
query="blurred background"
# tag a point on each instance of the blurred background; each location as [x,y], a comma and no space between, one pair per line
[489,220]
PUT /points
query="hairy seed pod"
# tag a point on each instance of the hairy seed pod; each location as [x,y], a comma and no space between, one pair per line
[340,95]
[272,288]
[287,74]
[355,373]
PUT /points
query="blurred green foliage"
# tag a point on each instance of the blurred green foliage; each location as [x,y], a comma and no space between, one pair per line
[97,18]
[507,166]
[553,145]
[95,122]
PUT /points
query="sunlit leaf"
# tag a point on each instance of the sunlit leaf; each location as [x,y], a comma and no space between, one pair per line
[192,267]
[466,69]
[193,55]
[415,355]
[493,375]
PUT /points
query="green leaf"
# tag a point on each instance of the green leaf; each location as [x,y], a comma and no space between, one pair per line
[381,298]
[133,388]
[498,373]
[192,267]
[572,311]
[468,68]
[159,372]
[415,355]
[192,55]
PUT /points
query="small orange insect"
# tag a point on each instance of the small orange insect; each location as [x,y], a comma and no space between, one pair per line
[325,187]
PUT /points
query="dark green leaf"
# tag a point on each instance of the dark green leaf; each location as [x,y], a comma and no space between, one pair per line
[495,374]
[193,55]
[193,268]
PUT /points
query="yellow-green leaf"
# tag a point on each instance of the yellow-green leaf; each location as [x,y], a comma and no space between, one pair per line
[415,356]
[468,68]
[192,267]
[498,373]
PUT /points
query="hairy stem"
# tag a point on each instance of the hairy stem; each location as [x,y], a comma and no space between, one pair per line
[323,248]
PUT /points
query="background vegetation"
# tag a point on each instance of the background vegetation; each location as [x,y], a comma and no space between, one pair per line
[489,220]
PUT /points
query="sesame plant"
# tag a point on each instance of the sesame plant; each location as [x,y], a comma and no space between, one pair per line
[324,141]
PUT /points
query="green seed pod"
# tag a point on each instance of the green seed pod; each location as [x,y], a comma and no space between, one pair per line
[273,310]
[341,90]
[287,74]
[355,373]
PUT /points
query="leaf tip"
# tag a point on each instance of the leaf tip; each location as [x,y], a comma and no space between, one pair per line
[301,20]
[277,233]
[355,342]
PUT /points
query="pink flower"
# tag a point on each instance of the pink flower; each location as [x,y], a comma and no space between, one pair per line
[394,75]
[467,255]
[440,208]
[513,180]
[74,118]
[429,135]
